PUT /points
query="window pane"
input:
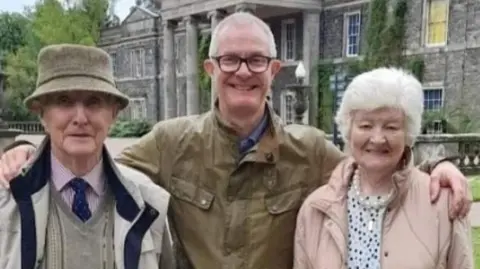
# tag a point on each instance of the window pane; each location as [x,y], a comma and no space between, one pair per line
[437,21]
[353,34]
[433,99]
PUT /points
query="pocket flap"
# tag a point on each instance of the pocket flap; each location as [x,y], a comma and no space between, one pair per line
[191,193]
[284,202]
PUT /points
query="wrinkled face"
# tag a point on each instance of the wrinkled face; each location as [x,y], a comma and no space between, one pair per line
[242,85]
[377,138]
[78,122]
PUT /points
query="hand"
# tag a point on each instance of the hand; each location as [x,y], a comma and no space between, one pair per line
[447,175]
[12,161]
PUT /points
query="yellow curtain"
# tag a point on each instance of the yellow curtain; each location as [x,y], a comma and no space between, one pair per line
[437,21]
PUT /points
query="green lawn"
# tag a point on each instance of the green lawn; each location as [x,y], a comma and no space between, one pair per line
[476,246]
[475,186]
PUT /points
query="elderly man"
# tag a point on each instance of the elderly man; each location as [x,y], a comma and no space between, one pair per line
[237,176]
[72,207]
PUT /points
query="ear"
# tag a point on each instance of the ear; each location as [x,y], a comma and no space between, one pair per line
[44,124]
[209,66]
[275,66]
[115,111]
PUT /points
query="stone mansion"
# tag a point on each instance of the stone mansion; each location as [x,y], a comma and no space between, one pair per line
[155,49]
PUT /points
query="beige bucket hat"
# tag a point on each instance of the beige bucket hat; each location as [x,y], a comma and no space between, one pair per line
[68,67]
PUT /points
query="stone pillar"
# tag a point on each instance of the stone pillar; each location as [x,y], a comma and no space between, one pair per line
[245,7]
[311,53]
[193,93]
[215,16]
[169,70]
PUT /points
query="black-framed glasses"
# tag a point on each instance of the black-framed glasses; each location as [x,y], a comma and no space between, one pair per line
[232,63]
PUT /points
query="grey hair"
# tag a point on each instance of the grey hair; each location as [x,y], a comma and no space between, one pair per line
[242,19]
[383,87]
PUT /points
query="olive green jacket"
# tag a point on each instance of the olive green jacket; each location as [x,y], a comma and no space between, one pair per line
[231,211]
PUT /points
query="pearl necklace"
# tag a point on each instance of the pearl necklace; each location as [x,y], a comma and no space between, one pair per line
[365,201]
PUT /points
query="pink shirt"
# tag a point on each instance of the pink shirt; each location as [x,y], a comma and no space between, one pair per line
[61,176]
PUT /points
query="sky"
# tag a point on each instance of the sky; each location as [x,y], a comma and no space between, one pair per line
[122,9]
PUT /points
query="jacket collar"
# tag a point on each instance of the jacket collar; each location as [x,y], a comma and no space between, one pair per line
[266,150]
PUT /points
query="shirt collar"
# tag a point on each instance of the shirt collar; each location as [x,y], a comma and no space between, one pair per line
[255,135]
[61,176]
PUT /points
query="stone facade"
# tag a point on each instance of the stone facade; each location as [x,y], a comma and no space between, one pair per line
[168,37]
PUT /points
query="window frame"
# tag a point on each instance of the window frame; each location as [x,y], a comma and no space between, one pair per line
[284,40]
[426,33]
[346,23]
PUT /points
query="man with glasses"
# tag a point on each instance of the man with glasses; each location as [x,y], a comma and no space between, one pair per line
[237,176]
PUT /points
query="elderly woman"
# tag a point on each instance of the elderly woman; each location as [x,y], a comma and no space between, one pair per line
[72,207]
[374,211]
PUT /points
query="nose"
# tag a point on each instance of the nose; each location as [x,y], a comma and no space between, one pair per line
[378,137]
[243,71]
[80,117]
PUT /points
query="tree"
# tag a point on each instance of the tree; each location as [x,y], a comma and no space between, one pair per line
[49,23]
[13,27]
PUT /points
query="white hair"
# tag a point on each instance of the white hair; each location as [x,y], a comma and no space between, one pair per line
[242,19]
[383,87]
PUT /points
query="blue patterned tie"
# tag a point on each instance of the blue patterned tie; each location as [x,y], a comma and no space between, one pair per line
[80,203]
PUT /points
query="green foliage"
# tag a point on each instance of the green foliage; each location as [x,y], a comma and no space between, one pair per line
[48,23]
[204,80]
[130,128]
[456,120]
[13,28]
[393,46]
[325,111]
[375,34]
[416,65]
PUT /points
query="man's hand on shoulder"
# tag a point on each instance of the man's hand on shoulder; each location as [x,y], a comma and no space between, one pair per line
[447,175]
[12,161]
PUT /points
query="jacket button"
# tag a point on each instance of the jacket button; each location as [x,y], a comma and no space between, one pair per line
[152,212]
[203,202]
[269,157]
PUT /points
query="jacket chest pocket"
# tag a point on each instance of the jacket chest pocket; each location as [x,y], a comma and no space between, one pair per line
[282,210]
[192,194]
[191,204]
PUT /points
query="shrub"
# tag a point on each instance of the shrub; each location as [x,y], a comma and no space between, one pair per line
[131,128]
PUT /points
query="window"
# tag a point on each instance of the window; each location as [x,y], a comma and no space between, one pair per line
[288,40]
[432,99]
[136,110]
[352,34]
[137,63]
[432,102]
[287,110]
[437,16]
